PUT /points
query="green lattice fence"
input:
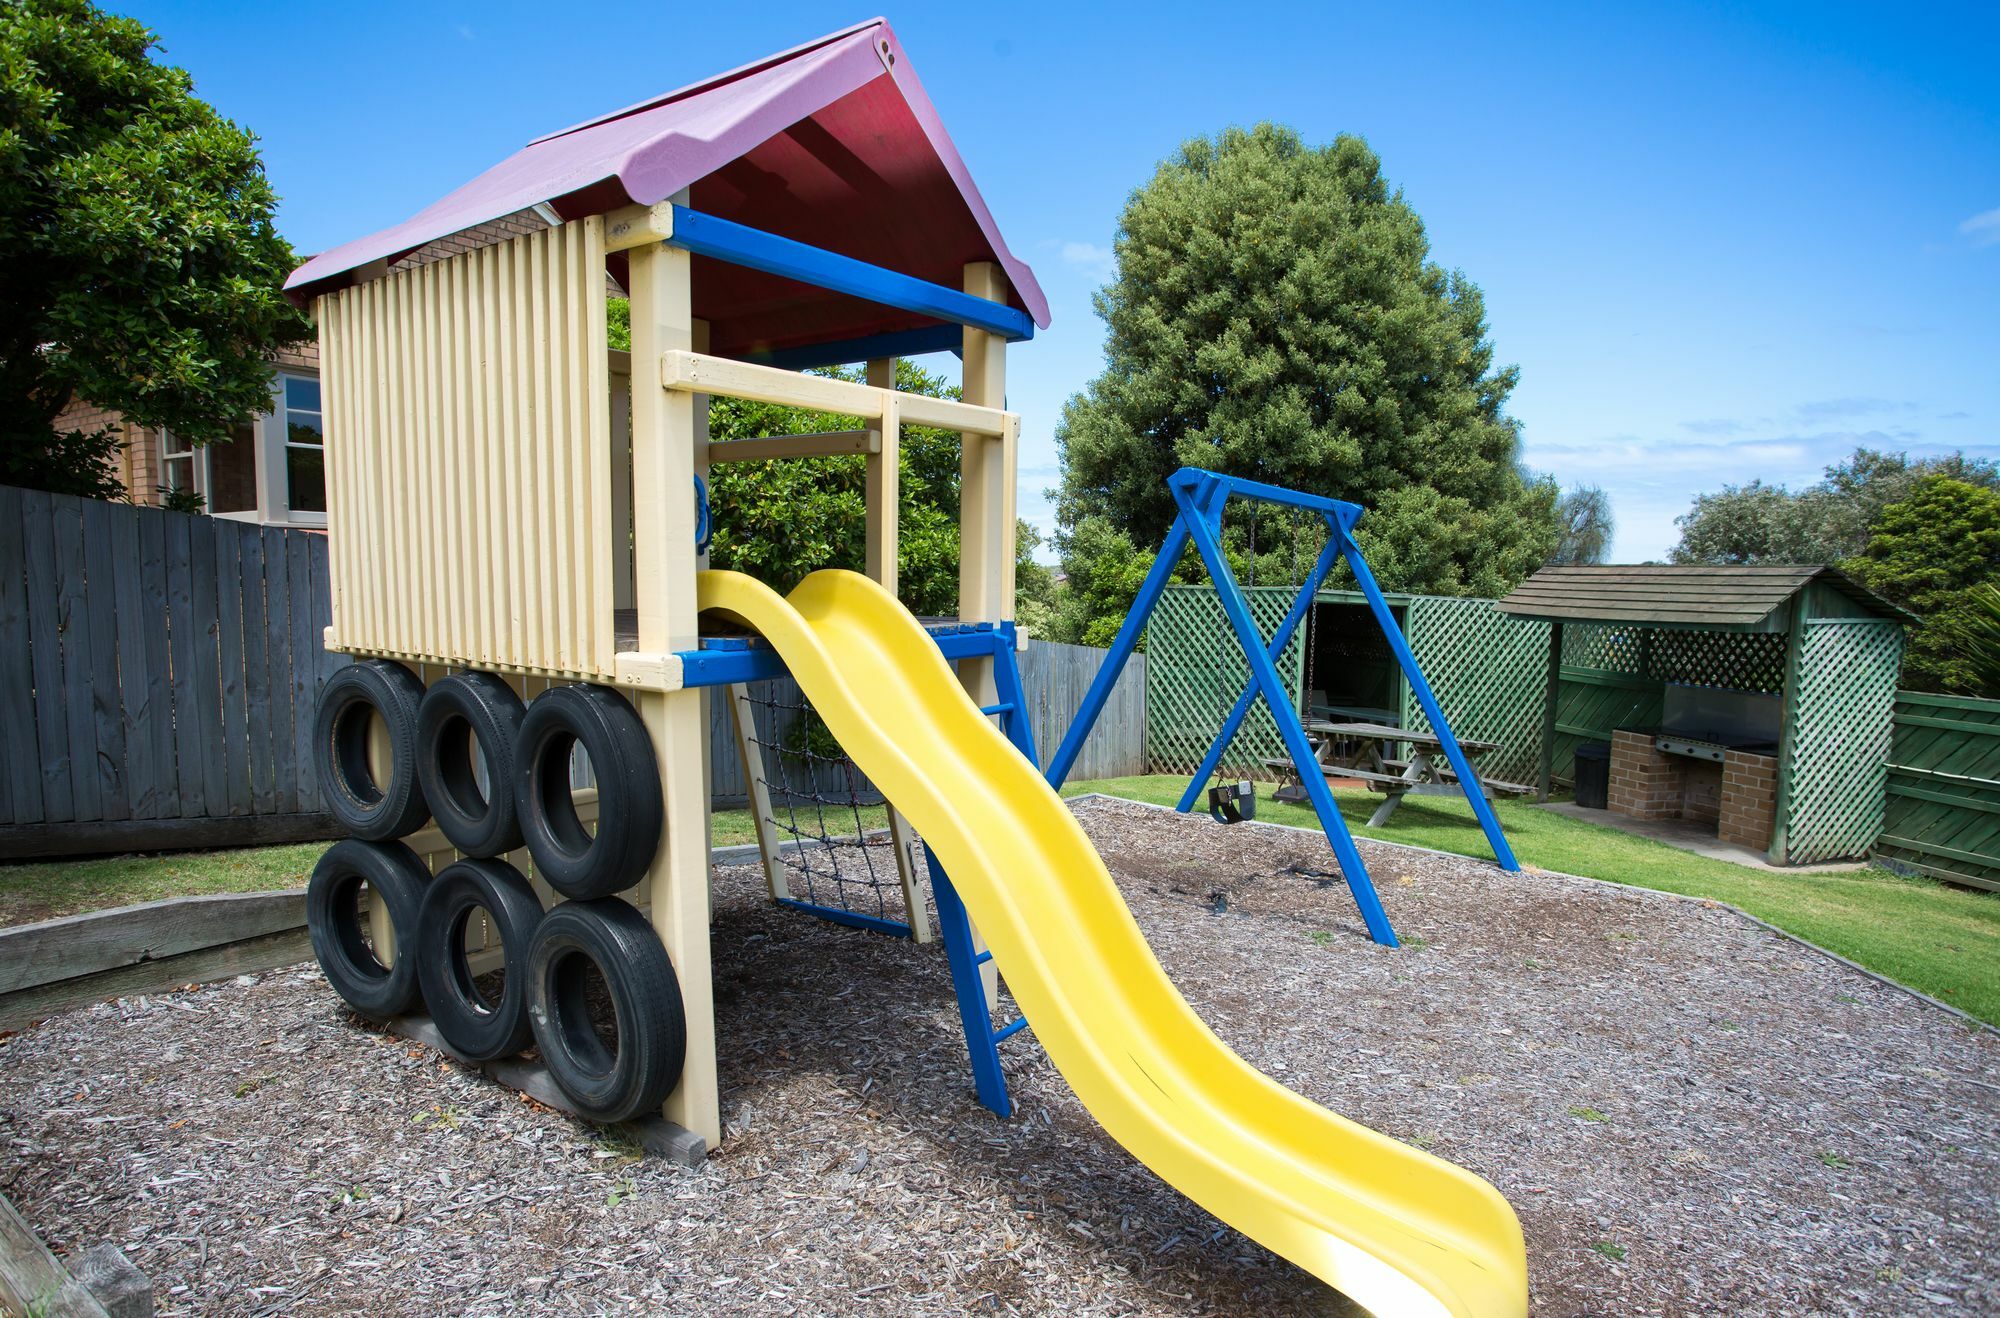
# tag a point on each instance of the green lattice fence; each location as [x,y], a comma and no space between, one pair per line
[1942,812]
[1604,687]
[1195,670]
[1748,661]
[1489,674]
[1841,734]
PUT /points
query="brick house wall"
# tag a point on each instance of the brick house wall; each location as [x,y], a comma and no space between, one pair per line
[137,464]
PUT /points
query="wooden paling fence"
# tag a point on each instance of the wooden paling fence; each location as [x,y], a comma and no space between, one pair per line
[159,673]
[1941,814]
[158,676]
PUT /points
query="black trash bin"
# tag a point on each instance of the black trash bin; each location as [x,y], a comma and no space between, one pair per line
[1593,774]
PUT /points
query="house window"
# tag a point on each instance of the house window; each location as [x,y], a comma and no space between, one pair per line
[181,466]
[305,446]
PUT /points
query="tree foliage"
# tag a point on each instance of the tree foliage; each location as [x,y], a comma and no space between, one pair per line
[142,269]
[1275,315]
[1828,522]
[1933,551]
[1584,526]
[781,519]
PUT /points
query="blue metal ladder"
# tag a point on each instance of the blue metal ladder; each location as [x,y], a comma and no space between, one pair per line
[982,1039]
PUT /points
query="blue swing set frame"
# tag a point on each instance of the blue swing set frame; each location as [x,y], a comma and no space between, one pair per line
[1200,497]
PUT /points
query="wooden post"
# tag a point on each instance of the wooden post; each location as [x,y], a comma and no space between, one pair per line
[664,437]
[743,716]
[701,471]
[883,552]
[884,480]
[1781,805]
[1551,699]
[621,482]
[985,515]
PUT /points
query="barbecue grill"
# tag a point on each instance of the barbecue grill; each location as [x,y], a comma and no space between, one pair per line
[1705,722]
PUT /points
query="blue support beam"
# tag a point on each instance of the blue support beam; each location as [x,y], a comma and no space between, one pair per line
[725,660]
[852,919]
[974,1015]
[739,244]
[902,343]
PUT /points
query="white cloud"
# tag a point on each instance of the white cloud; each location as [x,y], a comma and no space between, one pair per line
[1088,256]
[1983,228]
[1840,409]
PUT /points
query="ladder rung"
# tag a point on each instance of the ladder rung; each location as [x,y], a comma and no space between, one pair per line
[1012,1027]
[1004,707]
[983,957]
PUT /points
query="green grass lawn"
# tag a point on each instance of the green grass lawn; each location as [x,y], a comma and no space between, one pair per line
[1932,936]
[44,891]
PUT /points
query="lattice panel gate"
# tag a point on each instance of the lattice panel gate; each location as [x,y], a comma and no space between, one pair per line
[1489,673]
[1195,670]
[1841,733]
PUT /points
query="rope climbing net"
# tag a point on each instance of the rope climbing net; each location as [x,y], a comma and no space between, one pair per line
[831,822]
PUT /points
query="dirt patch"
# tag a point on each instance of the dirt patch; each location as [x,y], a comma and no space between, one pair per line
[1689,1112]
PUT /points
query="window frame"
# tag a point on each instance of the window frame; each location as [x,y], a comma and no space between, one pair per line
[195,455]
[274,446]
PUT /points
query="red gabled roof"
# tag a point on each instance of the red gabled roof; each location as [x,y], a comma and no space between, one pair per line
[832,143]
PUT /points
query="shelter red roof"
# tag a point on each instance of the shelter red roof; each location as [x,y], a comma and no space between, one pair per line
[833,143]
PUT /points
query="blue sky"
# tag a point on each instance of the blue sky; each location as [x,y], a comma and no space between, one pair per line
[1720,242]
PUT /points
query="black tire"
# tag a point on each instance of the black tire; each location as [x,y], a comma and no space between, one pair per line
[629,810]
[477,823]
[398,879]
[477,1029]
[645,994]
[375,812]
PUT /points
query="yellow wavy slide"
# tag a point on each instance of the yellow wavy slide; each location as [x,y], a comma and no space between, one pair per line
[1395,1228]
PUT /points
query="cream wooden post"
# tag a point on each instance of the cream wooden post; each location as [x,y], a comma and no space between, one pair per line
[883,481]
[664,435]
[883,553]
[986,514]
[707,693]
[742,714]
[621,481]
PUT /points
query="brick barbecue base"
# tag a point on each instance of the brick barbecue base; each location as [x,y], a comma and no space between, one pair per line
[1648,783]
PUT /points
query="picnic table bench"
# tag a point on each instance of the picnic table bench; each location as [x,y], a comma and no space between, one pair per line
[1354,750]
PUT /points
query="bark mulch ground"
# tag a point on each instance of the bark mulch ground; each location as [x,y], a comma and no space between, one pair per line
[1690,1113]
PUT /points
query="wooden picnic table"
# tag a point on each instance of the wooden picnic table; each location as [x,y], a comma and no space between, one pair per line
[1354,750]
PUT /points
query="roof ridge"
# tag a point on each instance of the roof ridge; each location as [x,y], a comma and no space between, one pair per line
[723,79]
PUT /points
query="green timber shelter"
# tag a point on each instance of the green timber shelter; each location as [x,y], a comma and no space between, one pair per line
[1829,648]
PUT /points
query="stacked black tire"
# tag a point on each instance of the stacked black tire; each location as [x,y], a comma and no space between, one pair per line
[442,742]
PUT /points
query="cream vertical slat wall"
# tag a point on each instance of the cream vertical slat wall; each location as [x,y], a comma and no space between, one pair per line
[469,459]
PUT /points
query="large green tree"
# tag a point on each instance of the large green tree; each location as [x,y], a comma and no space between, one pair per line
[1933,551]
[139,268]
[1276,314]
